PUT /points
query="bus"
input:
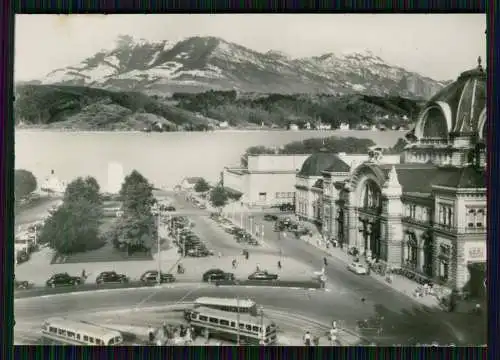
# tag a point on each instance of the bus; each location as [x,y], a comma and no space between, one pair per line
[227,304]
[64,331]
[224,325]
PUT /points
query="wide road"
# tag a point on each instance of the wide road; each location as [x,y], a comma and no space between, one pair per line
[403,317]
[317,306]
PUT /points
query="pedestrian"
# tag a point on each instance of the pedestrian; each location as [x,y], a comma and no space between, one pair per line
[307,339]
[279,264]
[219,254]
[333,335]
[325,262]
[327,245]
[234,263]
[257,268]
[363,300]
[247,254]
[84,275]
[151,333]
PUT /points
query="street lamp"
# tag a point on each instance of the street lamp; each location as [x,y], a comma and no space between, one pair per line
[262,330]
[155,210]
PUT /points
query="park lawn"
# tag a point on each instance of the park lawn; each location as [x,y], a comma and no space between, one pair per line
[107,253]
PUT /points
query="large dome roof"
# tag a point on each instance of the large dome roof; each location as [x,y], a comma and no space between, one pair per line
[458,108]
[319,162]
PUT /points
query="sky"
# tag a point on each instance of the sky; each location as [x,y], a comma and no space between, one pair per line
[440,46]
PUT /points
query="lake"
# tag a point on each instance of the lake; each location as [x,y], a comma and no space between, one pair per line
[164,158]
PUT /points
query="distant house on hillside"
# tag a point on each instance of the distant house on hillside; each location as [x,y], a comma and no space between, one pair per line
[189,182]
[223,124]
[344,126]
[293,127]
[321,126]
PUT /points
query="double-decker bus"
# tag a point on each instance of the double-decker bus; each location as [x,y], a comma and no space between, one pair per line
[231,326]
[64,331]
[227,304]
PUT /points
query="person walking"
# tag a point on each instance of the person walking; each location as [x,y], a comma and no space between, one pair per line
[325,262]
[234,263]
[279,264]
[307,339]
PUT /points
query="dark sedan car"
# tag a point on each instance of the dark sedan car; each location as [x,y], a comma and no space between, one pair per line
[270,217]
[217,274]
[262,275]
[63,279]
[151,277]
[111,277]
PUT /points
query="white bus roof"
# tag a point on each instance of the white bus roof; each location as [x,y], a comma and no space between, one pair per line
[224,302]
[83,327]
[244,317]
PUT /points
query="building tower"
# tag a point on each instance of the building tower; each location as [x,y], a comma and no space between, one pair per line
[115,177]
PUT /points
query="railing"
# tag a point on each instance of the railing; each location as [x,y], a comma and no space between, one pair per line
[412,220]
[475,230]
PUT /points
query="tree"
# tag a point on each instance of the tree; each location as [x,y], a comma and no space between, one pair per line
[137,193]
[201,186]
[87,189]
[24,183]
[137,232]
[399,147]
[73,227]
[219,197]
[255,150]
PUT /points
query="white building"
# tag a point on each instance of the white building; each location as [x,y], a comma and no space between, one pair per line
[267,180]
[294,127]
[115,177]
[223,124]
[189,183]
[53,185]
[344,126]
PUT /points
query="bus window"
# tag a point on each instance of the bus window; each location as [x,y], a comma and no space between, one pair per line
[99,342]
[53,330]
[214,320]
[256,329]
[71,334]
[62,332]
[193,315]
[233,324]
[91,339]
[111,341]
[118,340]
[224,322]
[242,326]
[85,338]
[77,336]
[203,318]
[249,327]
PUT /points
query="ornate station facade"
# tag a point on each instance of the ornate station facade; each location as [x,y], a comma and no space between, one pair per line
[428,212]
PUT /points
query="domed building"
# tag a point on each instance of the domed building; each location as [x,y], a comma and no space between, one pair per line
[428,213]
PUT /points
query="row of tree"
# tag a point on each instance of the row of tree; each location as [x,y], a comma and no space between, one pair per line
[74,226]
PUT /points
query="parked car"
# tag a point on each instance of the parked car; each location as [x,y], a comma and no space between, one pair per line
[111,277]
[22,284]
[151,277]
[270,217]
[262,275]
[217,274]
[199,252]
[63,279]
[22,256]
[357,268]
[203,207]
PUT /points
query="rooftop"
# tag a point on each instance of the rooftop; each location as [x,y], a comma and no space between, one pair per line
[319,162]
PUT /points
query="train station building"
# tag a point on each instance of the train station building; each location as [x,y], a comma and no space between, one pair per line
[427,213]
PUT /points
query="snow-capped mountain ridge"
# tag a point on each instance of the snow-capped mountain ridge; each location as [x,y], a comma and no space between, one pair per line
[198,64]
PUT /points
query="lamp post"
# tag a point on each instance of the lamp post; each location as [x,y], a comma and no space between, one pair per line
[155,210]
[250,218]
[241,220]
[262,330]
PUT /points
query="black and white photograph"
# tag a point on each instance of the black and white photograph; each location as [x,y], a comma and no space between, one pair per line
[250,179]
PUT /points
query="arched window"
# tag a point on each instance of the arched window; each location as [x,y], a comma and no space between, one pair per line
[435,125]
[370,195]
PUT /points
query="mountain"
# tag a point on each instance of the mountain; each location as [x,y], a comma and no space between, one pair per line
[198,64]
